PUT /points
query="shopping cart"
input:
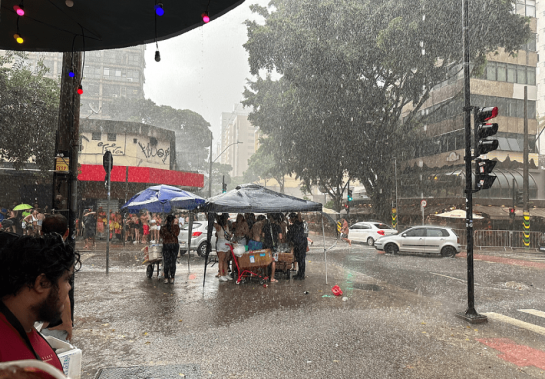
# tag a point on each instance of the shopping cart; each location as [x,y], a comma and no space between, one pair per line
[248,265]
[153,256]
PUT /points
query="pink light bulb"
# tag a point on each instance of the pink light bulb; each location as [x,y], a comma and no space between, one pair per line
[205,18]
[19,10]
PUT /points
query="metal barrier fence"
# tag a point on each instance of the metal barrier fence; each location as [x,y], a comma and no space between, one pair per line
[498,238]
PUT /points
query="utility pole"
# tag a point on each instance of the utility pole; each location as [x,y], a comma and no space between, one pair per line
[470,314]
[65,183]
[525,179]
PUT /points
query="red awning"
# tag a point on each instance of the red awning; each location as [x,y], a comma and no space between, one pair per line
[95,173]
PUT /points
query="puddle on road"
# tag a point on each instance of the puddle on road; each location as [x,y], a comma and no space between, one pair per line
[367,287]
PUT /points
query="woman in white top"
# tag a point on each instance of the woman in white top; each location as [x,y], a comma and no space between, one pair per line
[153,228]
[222,232]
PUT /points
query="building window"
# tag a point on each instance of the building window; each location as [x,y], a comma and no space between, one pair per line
[106,71]
[526,8]
[96,136]
[117,72]
[515,73]
[112,136]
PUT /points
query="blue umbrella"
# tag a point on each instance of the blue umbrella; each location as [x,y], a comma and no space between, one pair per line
[157,199]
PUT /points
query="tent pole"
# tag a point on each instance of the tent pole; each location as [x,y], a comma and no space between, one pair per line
[189,233]
[325,251]
[208,244]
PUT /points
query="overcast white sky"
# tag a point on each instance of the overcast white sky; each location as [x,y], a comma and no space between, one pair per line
[204,70]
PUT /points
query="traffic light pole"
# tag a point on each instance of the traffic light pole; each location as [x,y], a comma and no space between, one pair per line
[470,314]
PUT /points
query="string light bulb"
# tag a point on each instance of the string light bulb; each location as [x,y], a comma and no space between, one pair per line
[18,38]
[157,56]
[80,90]
[159,11]
[205,17]
[19,10]
[69,3]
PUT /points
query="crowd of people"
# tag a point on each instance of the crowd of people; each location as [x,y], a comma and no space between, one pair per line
[138,228]
[274,231]
[23,222]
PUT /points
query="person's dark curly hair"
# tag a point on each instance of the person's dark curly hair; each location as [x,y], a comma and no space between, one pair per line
[26,258]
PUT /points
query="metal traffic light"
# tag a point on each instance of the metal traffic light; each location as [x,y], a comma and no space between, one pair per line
[483,130]
[519,199]
[483,145]
[349,195]
[224,188]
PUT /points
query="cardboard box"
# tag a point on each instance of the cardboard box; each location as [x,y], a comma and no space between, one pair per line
[69,356]
[285,257]
[256,258]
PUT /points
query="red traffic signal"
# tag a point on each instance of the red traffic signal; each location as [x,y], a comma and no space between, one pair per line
[488,113]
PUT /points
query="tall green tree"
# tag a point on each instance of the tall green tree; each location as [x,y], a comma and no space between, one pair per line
[192,130]
[29,107]
[354,75]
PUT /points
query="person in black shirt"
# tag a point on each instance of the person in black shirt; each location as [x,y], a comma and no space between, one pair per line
[296,238]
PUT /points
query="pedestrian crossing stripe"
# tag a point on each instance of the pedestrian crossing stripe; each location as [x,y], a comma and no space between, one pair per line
[534,312]
[513,321]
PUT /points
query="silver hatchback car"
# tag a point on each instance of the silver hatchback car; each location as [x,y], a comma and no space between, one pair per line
[198,238]
[422,239]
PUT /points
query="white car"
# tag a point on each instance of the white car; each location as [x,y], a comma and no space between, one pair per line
[422,239]
[198,238]
[369,232]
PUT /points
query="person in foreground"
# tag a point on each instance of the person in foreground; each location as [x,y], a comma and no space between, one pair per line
[34,285]
[62,328]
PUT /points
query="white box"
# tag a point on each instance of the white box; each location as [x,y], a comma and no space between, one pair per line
[155,252]
[70,357]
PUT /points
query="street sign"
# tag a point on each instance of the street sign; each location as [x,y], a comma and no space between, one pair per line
[61,164]
[423,203]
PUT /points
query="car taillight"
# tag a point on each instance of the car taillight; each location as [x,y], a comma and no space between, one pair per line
[381,232]
[457,240]
[196,234]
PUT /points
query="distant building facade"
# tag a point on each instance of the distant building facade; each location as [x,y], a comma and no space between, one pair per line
[235,127]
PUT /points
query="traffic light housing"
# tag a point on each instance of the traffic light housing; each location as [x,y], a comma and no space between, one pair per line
[484,129]
[483,179]
[519,199]
[224,188]
[512,212]
[349,195]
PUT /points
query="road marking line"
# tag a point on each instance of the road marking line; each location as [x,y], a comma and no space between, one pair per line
[450,277]
[534,312]
[513,321]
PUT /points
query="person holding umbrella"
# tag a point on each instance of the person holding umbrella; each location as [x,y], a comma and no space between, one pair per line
[169,233]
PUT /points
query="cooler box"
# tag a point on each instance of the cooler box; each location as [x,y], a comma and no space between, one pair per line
[155,252]
[256,258]
[69,356]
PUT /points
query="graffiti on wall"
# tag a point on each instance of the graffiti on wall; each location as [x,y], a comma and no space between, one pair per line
[152,151]
[111,147]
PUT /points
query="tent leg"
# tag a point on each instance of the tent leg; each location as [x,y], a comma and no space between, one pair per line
[208,245]
[325,251]
[189,233]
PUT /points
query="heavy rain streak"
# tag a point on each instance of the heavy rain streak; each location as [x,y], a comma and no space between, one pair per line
[272,188]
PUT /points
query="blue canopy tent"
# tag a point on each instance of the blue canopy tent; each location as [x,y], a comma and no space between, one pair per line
[159,199]
[163,198]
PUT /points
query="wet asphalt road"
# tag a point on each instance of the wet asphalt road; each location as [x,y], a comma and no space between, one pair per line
[397,321]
